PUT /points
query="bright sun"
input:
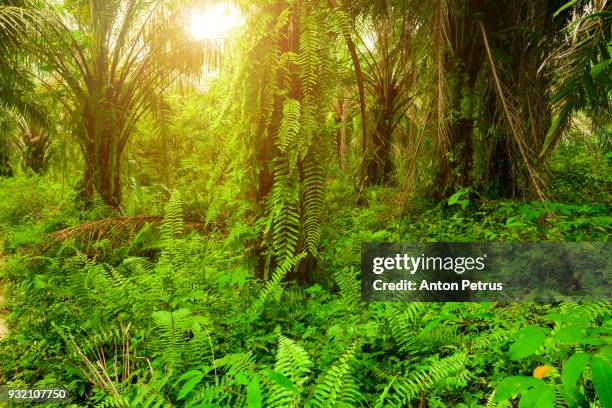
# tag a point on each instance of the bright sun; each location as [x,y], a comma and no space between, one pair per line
[215,22]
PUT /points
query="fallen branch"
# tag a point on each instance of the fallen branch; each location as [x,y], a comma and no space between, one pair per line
[99,229]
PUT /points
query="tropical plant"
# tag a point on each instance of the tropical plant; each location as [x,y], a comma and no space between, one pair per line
[121,55]
[391,81]
[218,261]
[581,67]
[16,83]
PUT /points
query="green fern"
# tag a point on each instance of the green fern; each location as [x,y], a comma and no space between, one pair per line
[284,214]
[149,391]
[337,387]
[348,285]
[403,324]
[99,208]
[235,363]
[172,326]
[484,340]
[294,363]
[145,239]
[273,288]
[409,387]
[289,131]
[313,203]
[172,224]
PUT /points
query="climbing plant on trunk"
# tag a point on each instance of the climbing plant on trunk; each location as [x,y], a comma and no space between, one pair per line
[284,70]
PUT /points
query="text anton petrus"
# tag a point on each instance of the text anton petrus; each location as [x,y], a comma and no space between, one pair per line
[451,271]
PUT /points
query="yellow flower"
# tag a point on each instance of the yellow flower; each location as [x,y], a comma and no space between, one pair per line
[541,371]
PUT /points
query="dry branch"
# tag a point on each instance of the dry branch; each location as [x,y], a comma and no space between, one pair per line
[99,229]
[512,126]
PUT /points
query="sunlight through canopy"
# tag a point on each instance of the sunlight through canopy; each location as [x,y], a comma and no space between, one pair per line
[216,22]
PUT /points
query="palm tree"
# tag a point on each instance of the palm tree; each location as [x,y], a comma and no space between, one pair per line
[15,79]
[123,55]
[390,79]
[491,100]
[581,68]
[457,55]
[34,144]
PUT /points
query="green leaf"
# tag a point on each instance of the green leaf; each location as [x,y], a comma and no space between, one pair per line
[573,368]
[242,379]
[602,380]
[575,317]
[599,68]
[514,222]
[530,340]
[552,136]
[563,7]
[506,388]
[573,398]
[189,374]
[454,199]
[280,379]
[542,396]
[514,385]
[254,397]
[190,384]
[570,334]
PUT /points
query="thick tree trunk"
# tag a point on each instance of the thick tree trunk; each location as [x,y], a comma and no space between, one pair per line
[380,165]
[463,65]
[103,169]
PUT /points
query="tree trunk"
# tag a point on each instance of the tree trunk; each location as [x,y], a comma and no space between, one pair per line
[266,147]
[462,65]
[341,111]
[102,163]
[380,165]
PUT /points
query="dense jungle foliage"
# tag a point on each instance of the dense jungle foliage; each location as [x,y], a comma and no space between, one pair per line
[185,187]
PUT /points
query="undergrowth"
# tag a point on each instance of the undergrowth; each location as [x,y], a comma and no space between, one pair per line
[174,318]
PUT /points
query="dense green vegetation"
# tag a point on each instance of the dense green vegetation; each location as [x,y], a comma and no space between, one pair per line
[182,209]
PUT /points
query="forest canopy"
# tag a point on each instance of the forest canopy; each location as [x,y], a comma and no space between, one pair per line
[185,187]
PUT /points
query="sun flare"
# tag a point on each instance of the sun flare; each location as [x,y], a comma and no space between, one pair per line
[215,22]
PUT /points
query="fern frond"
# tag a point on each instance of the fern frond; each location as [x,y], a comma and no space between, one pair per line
[337,387]
[313,203]
[172,326]
[409,387]
[285,215]
[144,239]
[223,161]
[149,393]
[99,209]
[309,62]
[293,362]
[440,26]
[348,284]
[403,324]
[172,224]
[235,363]
[289,131]
[483,341]
[273,288]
